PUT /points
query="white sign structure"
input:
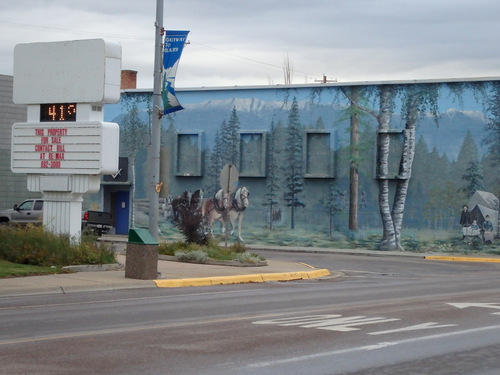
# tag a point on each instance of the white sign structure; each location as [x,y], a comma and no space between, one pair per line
[64,146]
[77,71]
[80,148]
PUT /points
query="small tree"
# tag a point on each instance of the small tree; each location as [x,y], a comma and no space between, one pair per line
[287,70]
[189,220]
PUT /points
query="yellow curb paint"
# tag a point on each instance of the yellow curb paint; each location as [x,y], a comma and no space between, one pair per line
[176,283]
[287,276]
[241,279]
[462,259]
[223,280]
[319,273]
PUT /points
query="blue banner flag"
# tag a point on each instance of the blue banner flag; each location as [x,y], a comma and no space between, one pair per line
[172,50]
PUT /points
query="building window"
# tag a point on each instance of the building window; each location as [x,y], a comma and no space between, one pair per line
[395,138]
[252,154]
[319,154]
[188,154]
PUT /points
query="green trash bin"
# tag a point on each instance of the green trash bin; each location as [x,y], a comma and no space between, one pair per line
[141,260]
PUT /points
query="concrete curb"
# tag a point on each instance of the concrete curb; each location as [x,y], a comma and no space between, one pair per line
[94,267]
[462,259]
[242,279]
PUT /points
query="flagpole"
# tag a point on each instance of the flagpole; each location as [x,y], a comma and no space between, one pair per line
[156,114]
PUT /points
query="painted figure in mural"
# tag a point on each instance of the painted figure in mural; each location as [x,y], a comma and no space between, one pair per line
[166,207]
[474,225]
[488,230]
[465,216]
[214,208]
[239,204]
[471,232]
[362,203]
[465,222]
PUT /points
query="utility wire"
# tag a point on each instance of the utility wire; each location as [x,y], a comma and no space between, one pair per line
[208,49]
[72,31]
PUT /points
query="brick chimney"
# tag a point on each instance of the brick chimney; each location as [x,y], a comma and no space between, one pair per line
[129,79]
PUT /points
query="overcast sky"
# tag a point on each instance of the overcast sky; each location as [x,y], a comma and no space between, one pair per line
[245,42]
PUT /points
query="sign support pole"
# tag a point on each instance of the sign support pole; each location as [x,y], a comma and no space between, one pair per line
[157,114]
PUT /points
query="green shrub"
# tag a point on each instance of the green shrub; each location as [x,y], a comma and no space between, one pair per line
[198,256]
[250,258]
[34,246]
[189,221]
[192,252]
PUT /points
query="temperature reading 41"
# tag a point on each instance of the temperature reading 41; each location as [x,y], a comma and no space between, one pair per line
[58,112]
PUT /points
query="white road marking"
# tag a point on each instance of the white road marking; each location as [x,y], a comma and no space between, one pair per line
[483,305]
[369,347]
[331,322]
[429,325]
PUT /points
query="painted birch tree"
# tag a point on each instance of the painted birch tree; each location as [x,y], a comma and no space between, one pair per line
[417,100]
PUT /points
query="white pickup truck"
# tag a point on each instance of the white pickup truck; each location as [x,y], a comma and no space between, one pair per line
[30,211]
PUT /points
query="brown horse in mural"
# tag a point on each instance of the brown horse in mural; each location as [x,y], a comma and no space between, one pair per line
[213,209]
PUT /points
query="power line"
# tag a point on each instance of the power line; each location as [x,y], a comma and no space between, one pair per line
[236,56]
[201,46]
[73,31]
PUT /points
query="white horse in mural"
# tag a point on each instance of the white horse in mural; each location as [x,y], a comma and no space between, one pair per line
[239,203]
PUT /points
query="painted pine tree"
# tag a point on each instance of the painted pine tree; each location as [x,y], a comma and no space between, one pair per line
[492,139]
[294,162]
[216,165]
[271,195]
[225,150]
[230,134]
[473,178]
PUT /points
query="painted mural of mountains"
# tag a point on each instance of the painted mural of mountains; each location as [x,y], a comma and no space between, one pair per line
[256,114]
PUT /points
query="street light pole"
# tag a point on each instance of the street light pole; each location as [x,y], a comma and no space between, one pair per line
[156,123]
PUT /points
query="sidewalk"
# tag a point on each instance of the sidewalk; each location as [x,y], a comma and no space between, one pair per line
[171,274]
[179,274]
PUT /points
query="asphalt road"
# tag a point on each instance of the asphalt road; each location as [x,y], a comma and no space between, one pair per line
[387,315]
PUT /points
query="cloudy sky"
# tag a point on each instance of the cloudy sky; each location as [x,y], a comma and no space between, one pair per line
[241,42]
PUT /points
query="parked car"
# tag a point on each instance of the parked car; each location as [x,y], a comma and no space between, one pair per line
[30,211]
[97,221]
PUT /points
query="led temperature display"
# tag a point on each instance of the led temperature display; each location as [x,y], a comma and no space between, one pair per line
[58,112]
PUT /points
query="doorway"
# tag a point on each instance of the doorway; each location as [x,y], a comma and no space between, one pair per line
[122,212]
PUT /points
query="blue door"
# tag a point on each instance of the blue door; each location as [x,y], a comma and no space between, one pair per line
[122,212]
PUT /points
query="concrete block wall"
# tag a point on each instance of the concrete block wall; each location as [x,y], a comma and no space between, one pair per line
[13,187]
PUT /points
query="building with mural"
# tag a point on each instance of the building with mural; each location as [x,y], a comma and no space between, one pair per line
[319,160]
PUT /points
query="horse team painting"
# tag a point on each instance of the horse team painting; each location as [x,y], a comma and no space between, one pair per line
[324,161]
[193,209]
